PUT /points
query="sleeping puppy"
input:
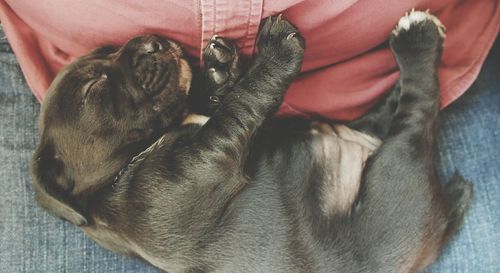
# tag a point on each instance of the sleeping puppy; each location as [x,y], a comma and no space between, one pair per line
[243,192]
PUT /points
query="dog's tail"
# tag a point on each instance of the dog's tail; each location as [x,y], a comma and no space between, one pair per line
[459,193]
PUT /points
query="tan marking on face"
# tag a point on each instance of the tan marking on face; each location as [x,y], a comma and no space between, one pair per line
[185,75]
[343,153]
[177,50]
[195,119]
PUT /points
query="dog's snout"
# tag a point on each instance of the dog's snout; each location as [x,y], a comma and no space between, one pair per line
[147,44]
[152,46]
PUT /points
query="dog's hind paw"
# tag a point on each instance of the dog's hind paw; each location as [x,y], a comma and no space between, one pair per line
[416,18]
[417,32]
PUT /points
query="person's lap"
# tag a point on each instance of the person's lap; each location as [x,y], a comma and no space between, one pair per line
[33,241]
[468,141]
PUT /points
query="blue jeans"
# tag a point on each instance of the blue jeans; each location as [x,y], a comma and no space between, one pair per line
[33,241]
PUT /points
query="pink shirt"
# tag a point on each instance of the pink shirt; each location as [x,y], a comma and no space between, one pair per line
[347,61]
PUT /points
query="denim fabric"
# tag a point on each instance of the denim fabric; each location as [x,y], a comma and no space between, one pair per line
[469,141]
[33,241]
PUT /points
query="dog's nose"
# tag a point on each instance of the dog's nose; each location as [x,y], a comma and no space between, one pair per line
[152,46]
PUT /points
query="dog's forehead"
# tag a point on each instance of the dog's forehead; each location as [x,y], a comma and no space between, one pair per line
[70,76]
[64,91]
[59,99]
[60,111]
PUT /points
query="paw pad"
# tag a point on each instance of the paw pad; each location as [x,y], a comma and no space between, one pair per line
[221,60]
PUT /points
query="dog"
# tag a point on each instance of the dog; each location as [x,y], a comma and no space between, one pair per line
[240,191]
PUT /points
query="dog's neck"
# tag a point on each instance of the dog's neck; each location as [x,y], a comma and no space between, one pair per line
[129,170]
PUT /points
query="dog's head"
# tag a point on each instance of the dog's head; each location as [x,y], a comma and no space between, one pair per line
[100,111]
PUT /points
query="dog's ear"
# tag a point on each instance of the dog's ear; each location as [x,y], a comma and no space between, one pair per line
[52,188]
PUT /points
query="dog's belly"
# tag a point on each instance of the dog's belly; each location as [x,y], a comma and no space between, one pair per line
[342,153]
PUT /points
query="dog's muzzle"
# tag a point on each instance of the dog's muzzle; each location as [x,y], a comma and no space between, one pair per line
[152,65]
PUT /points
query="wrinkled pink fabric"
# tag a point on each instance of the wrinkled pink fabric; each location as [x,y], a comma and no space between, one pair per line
[347,62]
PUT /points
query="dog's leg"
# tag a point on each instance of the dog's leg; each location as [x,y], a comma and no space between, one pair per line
[379,119]
[255,96]
[402,210]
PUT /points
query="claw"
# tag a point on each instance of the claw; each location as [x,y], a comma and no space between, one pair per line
[214,38]
[291,35]
[279,17]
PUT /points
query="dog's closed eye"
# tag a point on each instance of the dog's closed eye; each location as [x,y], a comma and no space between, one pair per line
[94,82]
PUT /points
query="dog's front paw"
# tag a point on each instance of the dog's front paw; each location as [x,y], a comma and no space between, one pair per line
[222,61]
[222,68]
[281,44]
[417,31]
